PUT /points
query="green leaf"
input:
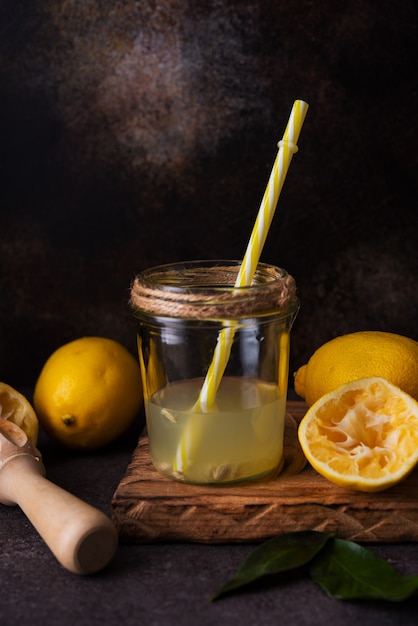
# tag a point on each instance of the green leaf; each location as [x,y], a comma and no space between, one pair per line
[348,571]
[283,553]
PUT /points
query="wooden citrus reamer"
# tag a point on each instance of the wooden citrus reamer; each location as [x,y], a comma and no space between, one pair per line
[82,538]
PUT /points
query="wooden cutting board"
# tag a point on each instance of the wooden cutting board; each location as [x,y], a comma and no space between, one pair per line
[148,507]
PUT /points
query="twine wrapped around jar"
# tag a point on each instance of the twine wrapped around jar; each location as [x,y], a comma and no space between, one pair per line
[205,290]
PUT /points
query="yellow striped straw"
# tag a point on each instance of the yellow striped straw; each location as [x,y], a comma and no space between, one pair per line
[287,148]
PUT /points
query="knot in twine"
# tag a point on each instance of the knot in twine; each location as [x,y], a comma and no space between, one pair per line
[203,292]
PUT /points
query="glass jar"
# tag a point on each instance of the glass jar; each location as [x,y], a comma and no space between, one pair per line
[214,362]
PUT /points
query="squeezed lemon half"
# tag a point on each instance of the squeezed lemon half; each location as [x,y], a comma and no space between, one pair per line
[17,409]
[363,436]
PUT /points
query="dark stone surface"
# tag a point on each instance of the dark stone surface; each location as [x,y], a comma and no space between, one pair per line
[141,132]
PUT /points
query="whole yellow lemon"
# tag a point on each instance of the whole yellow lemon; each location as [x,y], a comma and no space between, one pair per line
[362,354]
[88,393]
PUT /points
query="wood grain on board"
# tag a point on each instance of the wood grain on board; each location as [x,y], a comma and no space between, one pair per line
[148,507]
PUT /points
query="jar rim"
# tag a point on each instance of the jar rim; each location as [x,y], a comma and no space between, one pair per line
[182,276]
[206,289]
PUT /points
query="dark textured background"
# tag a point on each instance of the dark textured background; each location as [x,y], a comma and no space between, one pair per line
[140,132]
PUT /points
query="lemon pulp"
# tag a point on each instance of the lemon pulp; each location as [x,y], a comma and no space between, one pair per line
[363,436]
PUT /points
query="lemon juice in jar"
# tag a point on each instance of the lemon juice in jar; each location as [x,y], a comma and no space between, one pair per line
[241,436]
